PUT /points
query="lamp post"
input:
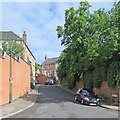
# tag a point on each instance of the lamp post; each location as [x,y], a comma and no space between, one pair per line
[11,70]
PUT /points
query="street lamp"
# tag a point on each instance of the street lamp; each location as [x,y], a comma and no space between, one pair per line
[11,70]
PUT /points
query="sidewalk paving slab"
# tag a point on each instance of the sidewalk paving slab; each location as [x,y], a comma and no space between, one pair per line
[19,104]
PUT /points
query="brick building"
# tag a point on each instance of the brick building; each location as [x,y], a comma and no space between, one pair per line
[49,66]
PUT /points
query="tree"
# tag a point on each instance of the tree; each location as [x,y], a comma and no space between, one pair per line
[17,48]
[90,39]
[37,67]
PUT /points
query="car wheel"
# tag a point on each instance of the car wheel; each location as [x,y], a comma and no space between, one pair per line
[76,99]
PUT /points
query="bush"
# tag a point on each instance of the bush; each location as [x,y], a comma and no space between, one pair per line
[32,83]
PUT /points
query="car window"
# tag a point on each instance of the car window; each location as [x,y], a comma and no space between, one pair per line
[89,93]
[79,91]
[86,93]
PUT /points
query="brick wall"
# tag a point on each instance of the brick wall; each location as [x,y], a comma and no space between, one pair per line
[103,91]
[64,82]
[0,80]
[41,79]
[20,82]
[79,84]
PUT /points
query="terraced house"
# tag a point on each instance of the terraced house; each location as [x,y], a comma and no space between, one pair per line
[49,66]
[28,56]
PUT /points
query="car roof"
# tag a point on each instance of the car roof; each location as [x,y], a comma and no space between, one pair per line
[85,89]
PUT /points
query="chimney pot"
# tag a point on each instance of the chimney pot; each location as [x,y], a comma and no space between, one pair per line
[45,57]
[25,37]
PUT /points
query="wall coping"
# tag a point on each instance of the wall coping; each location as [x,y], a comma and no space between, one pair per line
[14,59]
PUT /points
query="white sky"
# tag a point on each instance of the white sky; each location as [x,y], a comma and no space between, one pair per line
[40,20]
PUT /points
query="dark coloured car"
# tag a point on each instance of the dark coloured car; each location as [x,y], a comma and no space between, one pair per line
[36,82]
[49,82]
[86,97]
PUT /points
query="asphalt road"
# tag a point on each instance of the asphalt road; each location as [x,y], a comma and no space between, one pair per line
[54,102]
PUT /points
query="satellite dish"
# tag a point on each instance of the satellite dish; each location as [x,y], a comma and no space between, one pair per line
[4,54]
[19,58]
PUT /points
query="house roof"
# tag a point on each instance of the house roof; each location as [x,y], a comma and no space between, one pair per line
[9,35]
[50,60]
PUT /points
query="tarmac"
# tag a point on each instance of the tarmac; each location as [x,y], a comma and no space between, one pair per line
[28,100]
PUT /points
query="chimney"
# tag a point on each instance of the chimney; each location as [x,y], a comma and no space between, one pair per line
[45,57]
[25,37]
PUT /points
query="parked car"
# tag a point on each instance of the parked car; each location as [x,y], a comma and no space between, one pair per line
[49,82]
[86,97]
[36,82]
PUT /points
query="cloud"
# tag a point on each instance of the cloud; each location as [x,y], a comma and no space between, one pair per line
[39,20]
[58,0]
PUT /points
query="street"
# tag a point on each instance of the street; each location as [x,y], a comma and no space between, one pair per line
[54,102]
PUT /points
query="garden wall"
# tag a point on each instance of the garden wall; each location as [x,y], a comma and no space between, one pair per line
[20,82]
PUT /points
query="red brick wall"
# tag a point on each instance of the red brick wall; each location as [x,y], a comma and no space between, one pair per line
[0,81]
[20,82]
[41,79]
[104,90]
[79,84]
[64,82]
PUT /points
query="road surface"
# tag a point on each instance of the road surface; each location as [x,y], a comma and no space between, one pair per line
[54,102]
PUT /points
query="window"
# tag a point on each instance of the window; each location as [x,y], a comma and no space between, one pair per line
[30,58]
[49,74]
[43,72]
[54,73]
[43,66]
[33,73]
[33,63]
[27,59]
[49,66]
[51,71]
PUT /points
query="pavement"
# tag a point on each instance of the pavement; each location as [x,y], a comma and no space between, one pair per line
[19,104]
[101,105]
[28,100]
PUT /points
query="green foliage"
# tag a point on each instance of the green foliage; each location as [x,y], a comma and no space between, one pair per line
[88,79]
[32,83]
[93,78]
[0,52]
[99,75]
[31,80]
[113,74]
[37,67]
[17,48]
[90,40]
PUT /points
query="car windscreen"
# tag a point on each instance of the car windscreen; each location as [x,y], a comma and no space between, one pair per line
[50,80]
[47,80]
[87,93]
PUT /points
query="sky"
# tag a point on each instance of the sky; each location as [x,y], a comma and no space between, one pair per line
[40,20]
